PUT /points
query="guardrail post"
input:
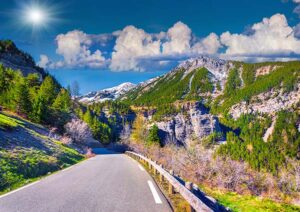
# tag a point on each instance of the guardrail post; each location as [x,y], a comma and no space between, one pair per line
[189,186]
[171,188]
[161,176]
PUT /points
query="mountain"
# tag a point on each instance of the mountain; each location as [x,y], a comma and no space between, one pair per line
[106,94]
[16,59]
[205,95]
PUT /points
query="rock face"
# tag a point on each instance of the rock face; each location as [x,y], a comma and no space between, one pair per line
[106,94]
[267,102]
[217,67]
[194,123]
[12,57]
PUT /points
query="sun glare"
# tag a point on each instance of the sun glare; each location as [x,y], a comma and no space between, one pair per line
[36,16]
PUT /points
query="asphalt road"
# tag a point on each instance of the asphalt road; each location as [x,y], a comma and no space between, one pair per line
[108,182]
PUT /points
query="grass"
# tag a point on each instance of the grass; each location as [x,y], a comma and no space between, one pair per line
[241,203]
[8,123]
[22,165]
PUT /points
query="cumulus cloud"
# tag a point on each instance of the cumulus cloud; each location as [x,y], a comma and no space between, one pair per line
[134,46]
[44,61]
[74,47]
[272,36]
[179,36]
[131,44]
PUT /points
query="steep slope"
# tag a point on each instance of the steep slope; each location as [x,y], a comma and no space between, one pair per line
[27,152]
[14,58]
[227,89]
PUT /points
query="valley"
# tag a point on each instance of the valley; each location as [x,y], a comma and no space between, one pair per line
[231,127]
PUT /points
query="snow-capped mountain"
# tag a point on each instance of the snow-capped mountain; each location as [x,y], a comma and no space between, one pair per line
[106,94]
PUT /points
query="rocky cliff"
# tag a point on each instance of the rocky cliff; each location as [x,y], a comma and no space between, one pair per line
[194,122]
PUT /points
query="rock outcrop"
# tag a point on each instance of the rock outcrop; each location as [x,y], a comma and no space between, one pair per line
[194,122]
[267,102]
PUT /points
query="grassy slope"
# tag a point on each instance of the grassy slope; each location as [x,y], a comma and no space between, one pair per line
[26,153]
[248,203]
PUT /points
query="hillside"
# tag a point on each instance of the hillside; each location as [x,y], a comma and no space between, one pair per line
[16,59]
[27,152]
[39,131]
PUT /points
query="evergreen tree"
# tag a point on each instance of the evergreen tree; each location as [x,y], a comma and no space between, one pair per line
[39,109]
[88,118]
[48,90]
[62,101]
[23,103]
[153,136]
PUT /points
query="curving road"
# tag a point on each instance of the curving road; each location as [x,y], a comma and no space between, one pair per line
[108,182]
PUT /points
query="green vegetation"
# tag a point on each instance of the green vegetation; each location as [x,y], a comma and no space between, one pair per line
[249,145]
[119,107]
[7,123]
[284,76]
[153,136]
[233,82]
[101,131]
[174,86]
[43,102]
[241,203]
[20,165]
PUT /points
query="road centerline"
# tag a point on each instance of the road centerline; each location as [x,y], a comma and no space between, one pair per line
[154,193]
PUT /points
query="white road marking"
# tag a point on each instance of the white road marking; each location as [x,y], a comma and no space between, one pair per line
[141,168]
[67,168]
[19,189]
[154,193]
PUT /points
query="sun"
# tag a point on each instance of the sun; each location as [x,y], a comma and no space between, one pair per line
[36,16]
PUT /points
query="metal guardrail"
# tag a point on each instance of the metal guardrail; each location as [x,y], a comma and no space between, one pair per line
[185,191]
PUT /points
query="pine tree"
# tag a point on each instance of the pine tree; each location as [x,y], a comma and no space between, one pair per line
[48,90]
[62,101]
[23,103]
[153,137]
[88,118]
[39,109]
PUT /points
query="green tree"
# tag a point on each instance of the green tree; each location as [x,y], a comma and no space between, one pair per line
[88,118]
[153,136]
[48,90]
[23,103]
[62,101]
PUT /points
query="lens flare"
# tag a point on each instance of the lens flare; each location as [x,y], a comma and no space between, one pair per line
[36,16]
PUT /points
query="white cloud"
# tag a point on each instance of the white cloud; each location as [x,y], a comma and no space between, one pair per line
[208,45]
[296,1]
[130,44]
[74,47]
[180,36]
[134,49]
[272,36]
[133,46]
[44,61]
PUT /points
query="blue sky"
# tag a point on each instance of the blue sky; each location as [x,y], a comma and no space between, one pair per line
[104,43]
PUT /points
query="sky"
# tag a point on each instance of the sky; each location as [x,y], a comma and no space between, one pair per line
[104,43]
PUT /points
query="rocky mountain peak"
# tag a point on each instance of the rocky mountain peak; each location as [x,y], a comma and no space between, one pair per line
[218,67]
